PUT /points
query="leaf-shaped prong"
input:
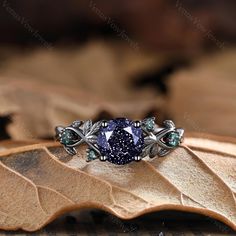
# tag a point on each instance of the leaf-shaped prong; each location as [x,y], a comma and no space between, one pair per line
[59,130]
[70,150]
[87,127]
[95,128]
[162,152]
[169,124]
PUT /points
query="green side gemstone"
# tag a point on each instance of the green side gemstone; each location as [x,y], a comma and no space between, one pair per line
[68,137]
[149,124]
[172,139]
[91,155]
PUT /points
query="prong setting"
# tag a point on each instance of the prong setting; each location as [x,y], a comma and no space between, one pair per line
[120,140]
[137,158]
[104,124]
[169,124]
[103,158]
[137,124]
[149,124]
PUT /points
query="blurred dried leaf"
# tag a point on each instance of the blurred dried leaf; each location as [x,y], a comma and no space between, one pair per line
[202,99]
[45,88]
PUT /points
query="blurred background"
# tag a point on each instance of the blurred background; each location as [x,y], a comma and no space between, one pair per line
[67,60]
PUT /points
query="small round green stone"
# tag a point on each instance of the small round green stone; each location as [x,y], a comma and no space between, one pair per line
[91,154]
[150,124]
[172,139]
[68,137]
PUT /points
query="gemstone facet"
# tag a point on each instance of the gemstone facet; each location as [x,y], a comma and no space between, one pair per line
[149,124]
[68,137]
[120,141]
[91,154]
[172,139]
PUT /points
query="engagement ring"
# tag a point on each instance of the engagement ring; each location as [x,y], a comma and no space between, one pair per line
[120,141]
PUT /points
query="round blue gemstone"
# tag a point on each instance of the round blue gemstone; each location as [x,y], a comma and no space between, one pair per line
[120,141]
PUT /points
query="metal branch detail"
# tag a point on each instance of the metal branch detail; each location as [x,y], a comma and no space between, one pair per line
[141,138]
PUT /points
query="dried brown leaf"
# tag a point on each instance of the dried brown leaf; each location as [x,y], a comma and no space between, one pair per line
[44,88]
[39,182]
[203,97]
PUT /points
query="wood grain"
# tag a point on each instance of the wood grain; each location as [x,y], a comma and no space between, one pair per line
[39,182]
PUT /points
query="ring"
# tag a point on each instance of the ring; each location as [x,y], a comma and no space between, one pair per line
[120,141]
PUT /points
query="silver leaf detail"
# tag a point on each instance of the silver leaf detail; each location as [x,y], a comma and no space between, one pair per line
[71,150]
[92,139]
[76,124]
[153,151]
[169,124]
[163,152]
[87,127]
[146,150]
[95,128]
[149,140]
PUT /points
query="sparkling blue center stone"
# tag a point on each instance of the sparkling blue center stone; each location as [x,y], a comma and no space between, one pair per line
[120,141]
